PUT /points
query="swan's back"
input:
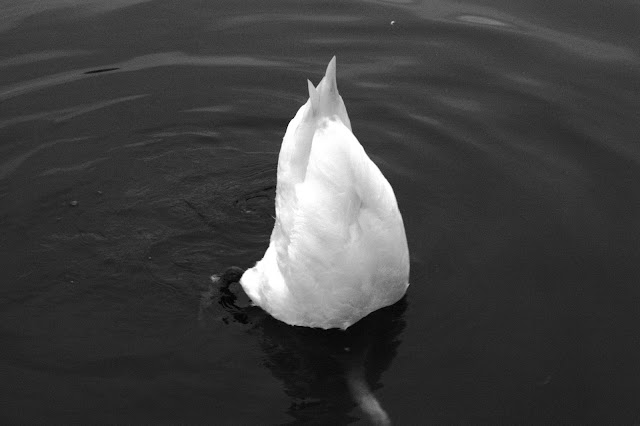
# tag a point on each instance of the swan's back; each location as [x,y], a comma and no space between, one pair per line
[338,249]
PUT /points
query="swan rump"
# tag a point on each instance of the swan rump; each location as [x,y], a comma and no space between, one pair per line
[338,249]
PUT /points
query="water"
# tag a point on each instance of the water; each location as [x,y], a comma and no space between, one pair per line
[139,142]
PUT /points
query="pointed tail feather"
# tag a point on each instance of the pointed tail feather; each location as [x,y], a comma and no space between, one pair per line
[329,102]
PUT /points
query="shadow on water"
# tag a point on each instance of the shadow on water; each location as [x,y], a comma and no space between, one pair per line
[326,373]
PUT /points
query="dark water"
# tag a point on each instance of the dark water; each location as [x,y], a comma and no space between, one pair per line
[138,148]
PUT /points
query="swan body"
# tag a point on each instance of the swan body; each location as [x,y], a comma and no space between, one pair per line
[338,249]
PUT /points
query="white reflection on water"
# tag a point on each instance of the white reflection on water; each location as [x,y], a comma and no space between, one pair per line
[482,20]
[74,168]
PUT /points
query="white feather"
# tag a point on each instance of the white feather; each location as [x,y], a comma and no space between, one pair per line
[338,249]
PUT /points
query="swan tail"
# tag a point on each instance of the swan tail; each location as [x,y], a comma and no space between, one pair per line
[313,96]
[327,102]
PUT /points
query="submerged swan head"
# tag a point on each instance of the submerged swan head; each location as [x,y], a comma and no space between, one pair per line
[338,249]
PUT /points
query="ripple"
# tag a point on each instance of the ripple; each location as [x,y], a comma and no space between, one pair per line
[206,134]
[442,11]
[75,168]
[45,55]
[263,18]
[11,165]
[482,20]
[462,104]
[588,48]
[61,115]
[13,15]
[136,64]
[211,109]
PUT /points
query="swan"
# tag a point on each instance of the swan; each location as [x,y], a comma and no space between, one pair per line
[338,249]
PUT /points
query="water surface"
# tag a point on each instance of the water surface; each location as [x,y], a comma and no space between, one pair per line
[138,150]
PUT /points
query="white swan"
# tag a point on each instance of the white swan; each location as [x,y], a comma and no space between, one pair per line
[338,249]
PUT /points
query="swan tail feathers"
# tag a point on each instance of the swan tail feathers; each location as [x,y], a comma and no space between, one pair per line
[313,96]
[330,102]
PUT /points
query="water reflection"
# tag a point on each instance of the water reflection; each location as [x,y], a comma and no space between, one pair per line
[326,373]
[482,20]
